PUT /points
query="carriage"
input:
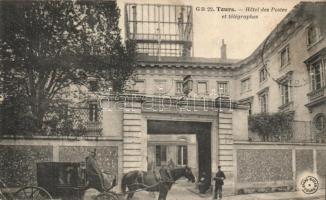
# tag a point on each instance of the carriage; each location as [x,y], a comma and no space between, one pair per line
[27,192]
[67,180]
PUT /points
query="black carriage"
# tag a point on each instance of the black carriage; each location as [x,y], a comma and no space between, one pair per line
[24,193]
[67,180]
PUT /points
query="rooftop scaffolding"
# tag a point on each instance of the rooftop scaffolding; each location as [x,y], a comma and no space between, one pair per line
[160,30]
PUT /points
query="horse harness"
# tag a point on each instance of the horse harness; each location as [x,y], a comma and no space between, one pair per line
[163,177]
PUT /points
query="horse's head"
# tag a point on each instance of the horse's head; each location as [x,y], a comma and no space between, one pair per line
[189,175]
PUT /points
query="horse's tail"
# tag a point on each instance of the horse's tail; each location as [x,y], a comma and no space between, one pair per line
[124,183]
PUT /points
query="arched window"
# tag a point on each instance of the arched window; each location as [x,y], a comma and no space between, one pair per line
[320,122]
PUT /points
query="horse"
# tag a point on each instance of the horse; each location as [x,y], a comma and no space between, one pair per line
[142,180]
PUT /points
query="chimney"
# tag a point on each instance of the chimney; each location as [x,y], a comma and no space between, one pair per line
[223,50]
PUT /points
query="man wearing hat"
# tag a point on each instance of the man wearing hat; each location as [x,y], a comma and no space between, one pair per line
[93,172]
[219,182]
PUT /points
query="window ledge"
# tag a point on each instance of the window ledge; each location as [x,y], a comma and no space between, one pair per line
[318,93]
[244,92]
[284,66]
[286,107]
[262,82]
[310,46]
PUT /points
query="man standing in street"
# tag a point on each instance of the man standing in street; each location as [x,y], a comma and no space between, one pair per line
[219,182]
[93,172]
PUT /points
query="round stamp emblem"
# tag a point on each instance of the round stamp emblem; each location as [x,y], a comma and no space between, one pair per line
[309,184]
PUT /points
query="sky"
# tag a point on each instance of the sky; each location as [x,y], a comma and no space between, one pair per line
[242,36]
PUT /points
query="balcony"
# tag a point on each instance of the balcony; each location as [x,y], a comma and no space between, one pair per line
[316,96]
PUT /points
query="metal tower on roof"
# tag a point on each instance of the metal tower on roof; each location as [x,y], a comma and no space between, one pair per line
[160,30]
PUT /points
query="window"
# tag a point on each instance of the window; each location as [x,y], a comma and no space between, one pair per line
[140,86]
[182,155]
[313,35]
[285,57]
[262,74]
[223,88]
[160,86]
[178,87]
[245,85]
[317,75]
[160,153]
[320,122]
[93,85]
[93,112]
[263,101]
[202,87]
[286,92]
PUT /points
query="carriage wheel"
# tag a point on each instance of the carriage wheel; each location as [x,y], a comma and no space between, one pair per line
[32,193]
[107,196]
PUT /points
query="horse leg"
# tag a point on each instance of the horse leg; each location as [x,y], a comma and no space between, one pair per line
[163,192]
[131,194]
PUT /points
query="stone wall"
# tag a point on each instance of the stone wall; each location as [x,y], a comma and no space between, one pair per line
[18,163]
[264,165]
[321,165]
[267,167]
[107,157]
[18,157]
[304,161]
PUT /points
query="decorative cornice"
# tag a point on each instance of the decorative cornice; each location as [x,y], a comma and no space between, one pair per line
[266,89]
[286,76]
[248,99]
[317,55]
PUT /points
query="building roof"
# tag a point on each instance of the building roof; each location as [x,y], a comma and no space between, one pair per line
[191,62]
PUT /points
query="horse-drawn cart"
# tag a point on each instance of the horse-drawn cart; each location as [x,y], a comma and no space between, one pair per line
[67,180]
[24,193]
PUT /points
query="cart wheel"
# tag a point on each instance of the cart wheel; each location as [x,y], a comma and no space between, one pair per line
[107,196]
[32,193]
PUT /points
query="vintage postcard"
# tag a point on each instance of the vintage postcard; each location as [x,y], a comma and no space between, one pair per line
[164,99]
